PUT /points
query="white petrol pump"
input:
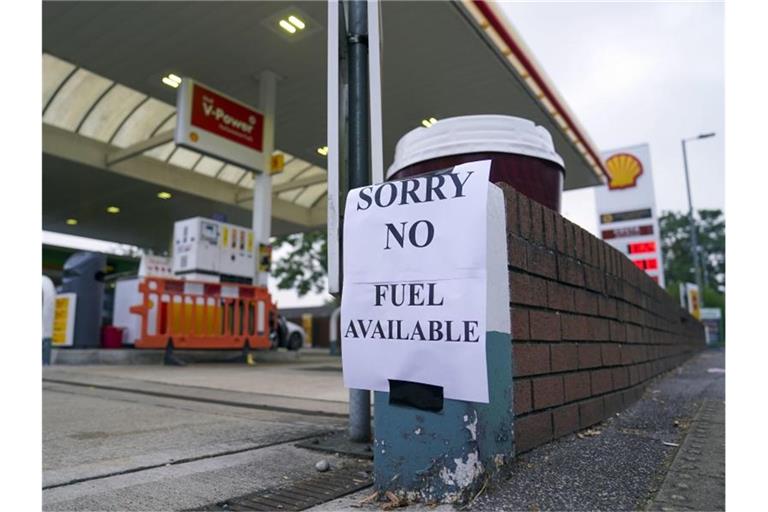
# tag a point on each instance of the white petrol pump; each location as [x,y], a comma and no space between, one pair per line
[222,268]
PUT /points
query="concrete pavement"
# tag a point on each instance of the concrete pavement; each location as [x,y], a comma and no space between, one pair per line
[159,438]
[155,438]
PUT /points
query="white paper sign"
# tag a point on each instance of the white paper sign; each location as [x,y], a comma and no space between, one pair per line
[413,305]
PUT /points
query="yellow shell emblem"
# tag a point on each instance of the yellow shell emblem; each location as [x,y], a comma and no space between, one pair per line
[623,171]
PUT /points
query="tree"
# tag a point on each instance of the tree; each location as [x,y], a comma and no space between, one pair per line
[676,249]
[304,267]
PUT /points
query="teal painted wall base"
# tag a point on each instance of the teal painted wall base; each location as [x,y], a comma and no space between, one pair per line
[447,456]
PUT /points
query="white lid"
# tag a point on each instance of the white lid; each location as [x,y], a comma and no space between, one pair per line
[474,134]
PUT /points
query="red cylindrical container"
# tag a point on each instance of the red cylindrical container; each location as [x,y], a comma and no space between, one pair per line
[521,153]
[111,336]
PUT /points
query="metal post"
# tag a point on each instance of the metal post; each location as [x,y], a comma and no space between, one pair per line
[692,225]
[262,183]
[359,176]
[334,332]
[49,306]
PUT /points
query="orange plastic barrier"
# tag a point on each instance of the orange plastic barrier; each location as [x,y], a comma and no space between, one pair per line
[198,315]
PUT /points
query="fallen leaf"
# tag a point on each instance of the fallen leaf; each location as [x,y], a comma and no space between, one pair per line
[394,501]
[369,499]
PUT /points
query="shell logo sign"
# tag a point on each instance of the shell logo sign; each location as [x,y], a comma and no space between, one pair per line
[623,171]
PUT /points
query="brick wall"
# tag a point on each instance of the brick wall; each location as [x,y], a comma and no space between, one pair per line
[589,329]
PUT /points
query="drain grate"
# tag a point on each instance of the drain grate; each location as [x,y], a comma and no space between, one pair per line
[300,495]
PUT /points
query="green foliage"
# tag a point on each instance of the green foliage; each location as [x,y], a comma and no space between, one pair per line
[676,248]
[678,262]
[305,266]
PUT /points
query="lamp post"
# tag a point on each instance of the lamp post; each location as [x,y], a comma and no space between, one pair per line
[694,237]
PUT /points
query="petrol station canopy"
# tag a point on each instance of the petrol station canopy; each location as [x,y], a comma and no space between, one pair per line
[103,65]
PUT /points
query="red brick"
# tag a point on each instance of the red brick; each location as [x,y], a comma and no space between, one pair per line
[570,242]
[578,243]
[606,306]
[587,250]
[520,324]
[541,261]
[527,290]
[620,378]
[634,375]
[601,382]
[591,412]
[611,354]
[597,251]
[511,198]
[613,403]
[614,287]
[570,271]
[576,386]
[524,216]
[585,302]
[618,331]
[639,353]
[594,279]
[634,333]
[537,223]
[575,327]
[600,329]
[523,400]
[560,296]
[530,359]
[560,234]
[565,420]
[532,430]
[545,325]
[589,355]
[565,356]
[547,391]
[549,228]
[516,252]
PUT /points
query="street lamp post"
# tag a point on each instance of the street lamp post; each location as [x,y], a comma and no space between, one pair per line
[692,225]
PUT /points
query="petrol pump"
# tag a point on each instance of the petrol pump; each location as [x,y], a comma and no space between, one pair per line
[215,295]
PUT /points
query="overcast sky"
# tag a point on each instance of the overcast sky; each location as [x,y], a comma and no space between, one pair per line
[636,73]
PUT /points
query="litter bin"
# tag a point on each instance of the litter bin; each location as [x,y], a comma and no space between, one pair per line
[111,336]
[521,153]
[84,276]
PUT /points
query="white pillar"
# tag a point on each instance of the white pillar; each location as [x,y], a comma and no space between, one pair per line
[262,184]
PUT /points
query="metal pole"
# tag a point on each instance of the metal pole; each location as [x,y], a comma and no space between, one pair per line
[359,176]
[262,182]
[692,225]
[49,307]
[334,332]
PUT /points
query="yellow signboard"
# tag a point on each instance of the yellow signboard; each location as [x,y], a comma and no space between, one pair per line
[278,163]
[265,257]
[64,320]
[694,303]
[306,323]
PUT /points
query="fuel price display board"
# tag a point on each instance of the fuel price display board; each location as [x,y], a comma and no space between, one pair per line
[626,209]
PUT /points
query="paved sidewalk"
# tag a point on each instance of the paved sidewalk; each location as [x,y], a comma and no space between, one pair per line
[633,461]
[696,479]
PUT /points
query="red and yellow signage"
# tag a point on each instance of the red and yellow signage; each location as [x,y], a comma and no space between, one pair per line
[214,124]
[623,171]
[221,116]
